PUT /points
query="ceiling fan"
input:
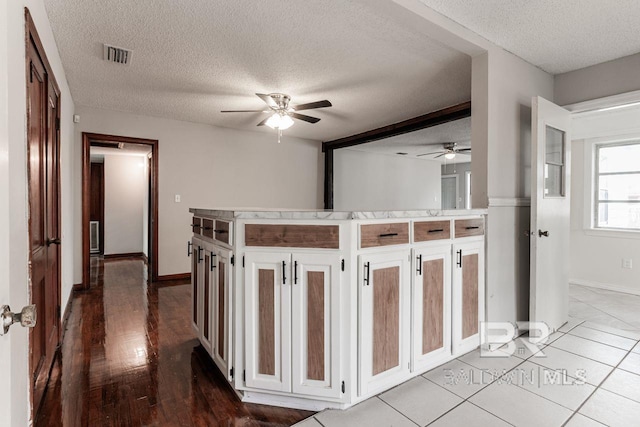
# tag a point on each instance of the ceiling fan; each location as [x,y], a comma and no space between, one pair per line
[449,151]
[282,113]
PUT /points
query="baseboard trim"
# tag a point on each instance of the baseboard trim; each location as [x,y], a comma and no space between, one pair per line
[605,286]
[126,255]
[77,287]
[169,277]
[67,313]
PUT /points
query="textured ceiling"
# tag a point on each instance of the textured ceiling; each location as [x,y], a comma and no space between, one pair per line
[193,58]
[556,35]
[425,141]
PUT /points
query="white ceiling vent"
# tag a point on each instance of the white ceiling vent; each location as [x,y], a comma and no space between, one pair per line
[117,54]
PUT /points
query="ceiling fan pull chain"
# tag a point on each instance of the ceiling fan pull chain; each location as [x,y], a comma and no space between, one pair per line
[279,135]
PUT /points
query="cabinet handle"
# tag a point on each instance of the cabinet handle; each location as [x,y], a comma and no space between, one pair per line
[213,261]
[388,235]
[284,276]
[196,226]
[199,254]
[366,273]
[472,228]
[436,230]
[295,272]
[420,265]
[459,261]
[206,228]
[221,231]
[189,244]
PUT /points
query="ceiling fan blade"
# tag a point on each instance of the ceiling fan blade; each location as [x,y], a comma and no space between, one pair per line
[312,105]
[304,117]
[262,123]
[428,154]
[245,111]
[463,150]
[267,100]
[440,155]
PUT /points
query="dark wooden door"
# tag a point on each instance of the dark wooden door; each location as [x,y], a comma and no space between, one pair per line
[44,216]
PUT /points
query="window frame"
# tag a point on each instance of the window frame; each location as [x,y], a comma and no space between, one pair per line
[594,178]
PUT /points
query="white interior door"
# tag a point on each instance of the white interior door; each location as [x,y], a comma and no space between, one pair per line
[550,210]
[449,191]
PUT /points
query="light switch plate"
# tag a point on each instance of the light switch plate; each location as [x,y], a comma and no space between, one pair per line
[177,198]
[627,263]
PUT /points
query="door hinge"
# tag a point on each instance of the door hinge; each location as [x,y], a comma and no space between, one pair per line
[242,261]
[57,123]
[231,372]
[59,310]
[244,375]
[31,72]
[233,260]
[343,387]
[342,266]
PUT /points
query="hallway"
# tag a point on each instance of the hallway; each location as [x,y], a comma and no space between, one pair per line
[129,357]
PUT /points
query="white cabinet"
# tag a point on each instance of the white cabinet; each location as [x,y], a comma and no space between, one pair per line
[384,329]
[292,323]
[218,277]
[431,311]
[268,321]
[315,325]
[468,295]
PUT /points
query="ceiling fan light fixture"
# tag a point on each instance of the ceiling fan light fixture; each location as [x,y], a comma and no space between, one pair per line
[450,156]
[279,121]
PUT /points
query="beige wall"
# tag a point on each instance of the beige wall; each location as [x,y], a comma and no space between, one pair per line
[125,190]
[598,81]
[371,181]
[209,167]
[14,288]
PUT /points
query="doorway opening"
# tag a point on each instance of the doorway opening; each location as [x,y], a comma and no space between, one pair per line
[119,200]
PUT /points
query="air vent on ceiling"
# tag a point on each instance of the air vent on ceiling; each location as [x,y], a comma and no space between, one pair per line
[117,54]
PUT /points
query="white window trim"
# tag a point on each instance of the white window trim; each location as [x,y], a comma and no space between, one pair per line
[589,187]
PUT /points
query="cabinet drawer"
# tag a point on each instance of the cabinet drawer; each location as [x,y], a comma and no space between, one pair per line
[424,231]
[207,228]
[469,227]
[222,232]
[394,233]
[196,225]
[292,236]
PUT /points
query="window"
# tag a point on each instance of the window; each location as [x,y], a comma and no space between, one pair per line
[617,186]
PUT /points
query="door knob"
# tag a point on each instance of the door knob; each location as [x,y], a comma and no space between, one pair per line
[26,318]
[543,233]
[55,241]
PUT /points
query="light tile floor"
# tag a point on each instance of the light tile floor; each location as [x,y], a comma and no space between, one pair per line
[587,374]
[605,307]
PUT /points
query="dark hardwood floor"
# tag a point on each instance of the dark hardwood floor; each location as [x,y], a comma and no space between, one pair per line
[130,358]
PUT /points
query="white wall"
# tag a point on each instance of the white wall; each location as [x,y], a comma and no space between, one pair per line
[512,83]
[14,289]
[370,181]
[596,255]
[125,188]
[598,81]
[209,167]
[460,170]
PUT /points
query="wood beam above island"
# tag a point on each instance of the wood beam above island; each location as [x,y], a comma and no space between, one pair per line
[315,309]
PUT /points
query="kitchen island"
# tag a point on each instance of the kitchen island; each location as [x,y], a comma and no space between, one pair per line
[316,309]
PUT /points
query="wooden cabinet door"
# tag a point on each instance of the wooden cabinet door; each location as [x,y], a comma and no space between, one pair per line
[208,324]
[222,310]
[468,295]
[315,322]
[197,269]
[431,314]
[385,287]
[268,321]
